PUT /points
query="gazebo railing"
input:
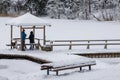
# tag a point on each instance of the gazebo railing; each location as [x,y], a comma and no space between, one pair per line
[16,42]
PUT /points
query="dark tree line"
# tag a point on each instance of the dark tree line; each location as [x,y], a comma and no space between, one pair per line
[36,7]
[68,9]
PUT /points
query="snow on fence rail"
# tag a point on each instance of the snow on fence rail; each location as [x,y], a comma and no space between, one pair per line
[87,43]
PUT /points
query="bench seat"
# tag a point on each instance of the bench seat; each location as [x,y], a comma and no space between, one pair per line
[56,68]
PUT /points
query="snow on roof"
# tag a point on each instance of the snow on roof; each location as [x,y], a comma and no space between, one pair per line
[28,20]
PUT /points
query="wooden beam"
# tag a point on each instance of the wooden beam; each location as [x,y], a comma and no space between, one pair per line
[39,27]
[11,35]
[44,39]
[20,37]
[32,27]
[34,31]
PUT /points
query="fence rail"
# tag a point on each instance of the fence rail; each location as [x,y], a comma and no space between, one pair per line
[87,43]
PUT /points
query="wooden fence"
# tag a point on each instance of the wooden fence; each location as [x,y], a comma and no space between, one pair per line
[87,43]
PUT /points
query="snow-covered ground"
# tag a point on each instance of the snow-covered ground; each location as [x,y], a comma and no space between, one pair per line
[106,69]
[26,70]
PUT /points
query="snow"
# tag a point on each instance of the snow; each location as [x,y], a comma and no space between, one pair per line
[73,62]
[106,68]
[28,20]
[22,70]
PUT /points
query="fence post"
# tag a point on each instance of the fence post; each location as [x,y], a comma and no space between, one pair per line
[70,47]
[88,46]
[105,44]
[51,42]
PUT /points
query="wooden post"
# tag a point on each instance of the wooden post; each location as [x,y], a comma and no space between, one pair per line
[44,39]
[34,30]
[11,35]
[88,46]
[51,42]
[57,73]
[89,67]
[80,68]
[105,44]
[39,46]
[20,37]
[47,71]
[70,47]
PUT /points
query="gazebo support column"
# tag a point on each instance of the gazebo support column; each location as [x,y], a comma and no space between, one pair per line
[20,37]
[34,30]
[11,35]
[44,37]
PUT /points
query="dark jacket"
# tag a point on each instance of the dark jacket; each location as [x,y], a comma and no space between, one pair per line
[31,37]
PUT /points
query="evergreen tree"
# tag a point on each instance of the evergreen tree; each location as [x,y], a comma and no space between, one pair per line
[68,9]
[36,7]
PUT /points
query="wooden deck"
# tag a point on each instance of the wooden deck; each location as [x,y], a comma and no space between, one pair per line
[30,58]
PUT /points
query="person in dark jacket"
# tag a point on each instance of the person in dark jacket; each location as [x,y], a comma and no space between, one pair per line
[23,40]
[31,38]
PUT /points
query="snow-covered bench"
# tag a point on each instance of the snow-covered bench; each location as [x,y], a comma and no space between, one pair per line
[64,65]
[14,45]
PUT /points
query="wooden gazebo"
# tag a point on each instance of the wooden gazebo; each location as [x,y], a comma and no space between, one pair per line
[27,21]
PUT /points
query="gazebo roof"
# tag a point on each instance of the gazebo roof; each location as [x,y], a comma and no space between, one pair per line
[28,20]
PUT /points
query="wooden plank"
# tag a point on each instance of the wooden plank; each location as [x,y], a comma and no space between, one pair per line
[70,67]
[29,44]
[11,35]
[21,38]
[44,36]
[32,27]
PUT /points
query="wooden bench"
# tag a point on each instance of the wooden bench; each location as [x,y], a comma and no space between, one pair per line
[18,45]
[52,67]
